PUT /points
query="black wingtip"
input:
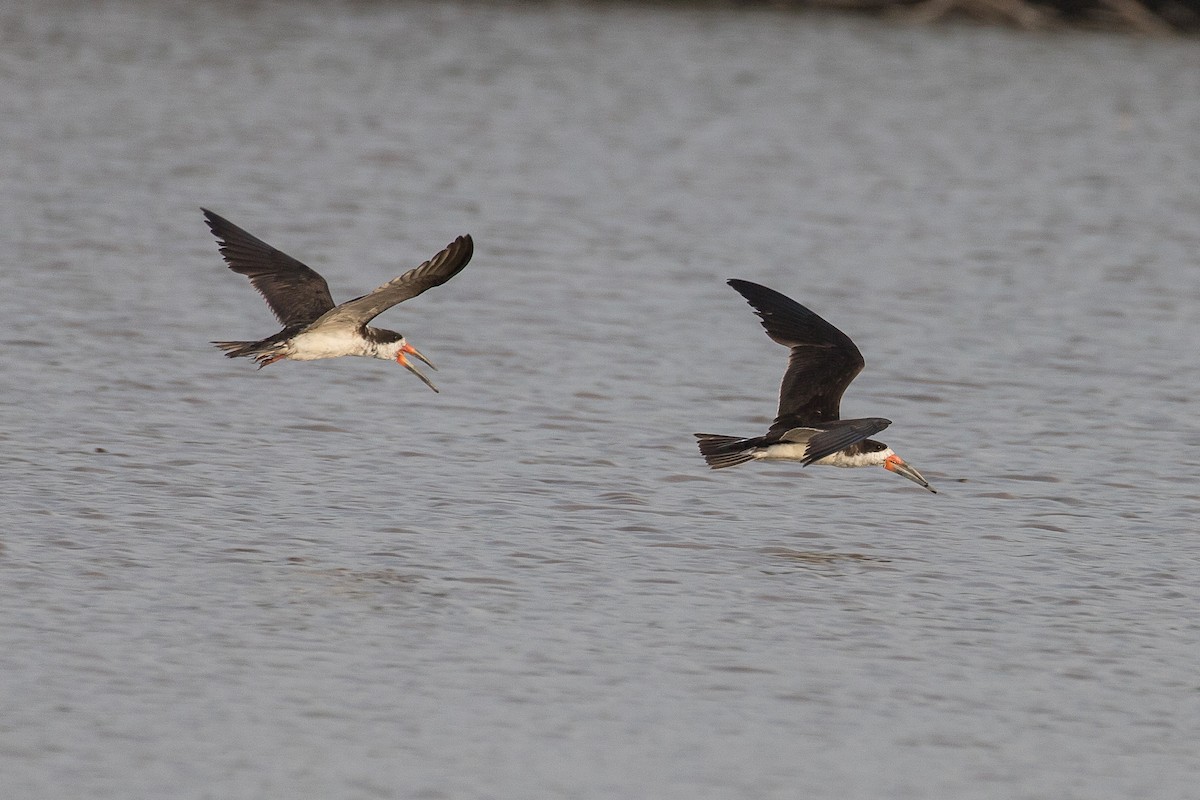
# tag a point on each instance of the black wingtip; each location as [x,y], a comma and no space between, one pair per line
[468,245]
[215,222]
[756,293]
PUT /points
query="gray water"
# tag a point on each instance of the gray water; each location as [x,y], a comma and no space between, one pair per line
[322,580]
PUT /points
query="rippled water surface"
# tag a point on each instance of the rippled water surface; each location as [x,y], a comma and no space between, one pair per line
[323,580]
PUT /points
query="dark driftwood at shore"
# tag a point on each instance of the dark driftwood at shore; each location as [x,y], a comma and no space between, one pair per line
[1153,17]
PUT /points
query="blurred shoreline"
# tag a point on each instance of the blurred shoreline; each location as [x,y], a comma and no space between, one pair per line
[1141,17]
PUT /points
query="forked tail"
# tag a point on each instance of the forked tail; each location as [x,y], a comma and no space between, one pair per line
[725,451]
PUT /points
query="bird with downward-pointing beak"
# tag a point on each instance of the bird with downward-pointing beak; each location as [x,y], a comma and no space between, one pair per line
[809,427]
[313,327]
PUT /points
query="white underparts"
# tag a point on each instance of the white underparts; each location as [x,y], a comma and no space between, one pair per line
[786,451]
[331,343]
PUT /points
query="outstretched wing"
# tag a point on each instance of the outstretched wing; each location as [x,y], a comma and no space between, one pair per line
[823,361]
[296,294]
[434,272]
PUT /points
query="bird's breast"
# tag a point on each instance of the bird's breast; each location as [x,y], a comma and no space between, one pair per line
[328,343]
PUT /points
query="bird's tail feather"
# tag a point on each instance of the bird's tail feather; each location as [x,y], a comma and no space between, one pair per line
[725,451]
[262,355]
[236,349]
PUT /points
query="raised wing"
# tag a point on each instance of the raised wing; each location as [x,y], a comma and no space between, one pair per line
[296,294]
[831,438]
[823,362]
[434,272]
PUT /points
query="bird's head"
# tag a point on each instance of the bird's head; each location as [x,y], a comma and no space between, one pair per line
[396,348]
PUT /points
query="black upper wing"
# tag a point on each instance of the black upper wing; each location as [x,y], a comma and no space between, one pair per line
[823,362]
[296,294]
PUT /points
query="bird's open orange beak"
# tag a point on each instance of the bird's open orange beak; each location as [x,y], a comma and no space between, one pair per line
[404,362]
[898,465]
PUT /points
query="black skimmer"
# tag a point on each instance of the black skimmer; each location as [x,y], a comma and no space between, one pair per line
[313,327]
[809,428]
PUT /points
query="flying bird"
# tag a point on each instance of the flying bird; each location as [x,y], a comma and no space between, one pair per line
[313,327]
[809,427]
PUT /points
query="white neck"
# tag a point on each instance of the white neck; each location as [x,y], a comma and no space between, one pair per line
[388,351]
